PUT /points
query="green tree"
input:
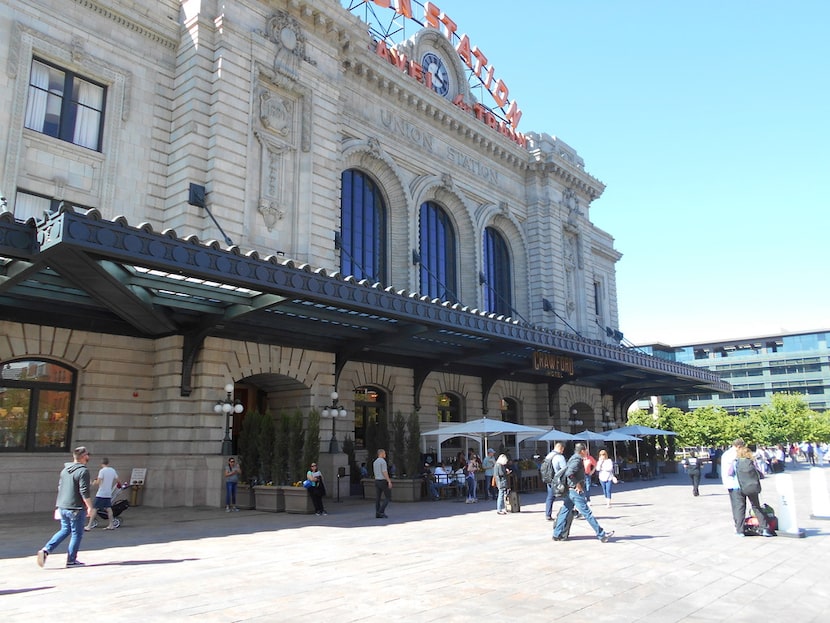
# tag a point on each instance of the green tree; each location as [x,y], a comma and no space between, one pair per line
[248,447]
[311,446]
[281,444]
[265,444]
[785,419]
[413,445]
[296,470]
[398,444]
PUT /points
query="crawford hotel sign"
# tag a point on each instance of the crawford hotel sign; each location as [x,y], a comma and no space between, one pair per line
[431,71]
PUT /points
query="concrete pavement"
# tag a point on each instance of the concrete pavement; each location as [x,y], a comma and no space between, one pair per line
[674,557]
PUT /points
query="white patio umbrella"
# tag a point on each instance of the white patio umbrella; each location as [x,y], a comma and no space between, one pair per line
[554,435]
[483,429]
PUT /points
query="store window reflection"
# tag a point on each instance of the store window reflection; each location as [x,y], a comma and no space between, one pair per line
[36,399]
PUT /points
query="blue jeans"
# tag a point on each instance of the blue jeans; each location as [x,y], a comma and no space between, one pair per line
[230,493]
[72,522]
[488,488]
[575,499]
[606,488]
[587,487]
[471,487]
[500,500]
[549,500]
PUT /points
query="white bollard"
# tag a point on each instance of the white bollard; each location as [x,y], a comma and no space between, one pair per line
[787,519]
[819,495]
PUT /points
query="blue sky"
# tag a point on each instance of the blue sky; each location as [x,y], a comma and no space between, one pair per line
[708,122]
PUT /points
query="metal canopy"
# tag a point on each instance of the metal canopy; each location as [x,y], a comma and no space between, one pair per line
[76,270]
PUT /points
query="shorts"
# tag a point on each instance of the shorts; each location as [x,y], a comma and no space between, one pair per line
[102,503]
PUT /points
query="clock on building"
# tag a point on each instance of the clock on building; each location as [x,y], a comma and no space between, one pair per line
[435,65]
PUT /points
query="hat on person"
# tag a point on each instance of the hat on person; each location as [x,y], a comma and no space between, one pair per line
[491,451]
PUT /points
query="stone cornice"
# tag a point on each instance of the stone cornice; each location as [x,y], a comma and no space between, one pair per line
[169,42]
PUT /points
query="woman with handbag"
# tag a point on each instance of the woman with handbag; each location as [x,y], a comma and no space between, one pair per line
[317,490]
[605,473]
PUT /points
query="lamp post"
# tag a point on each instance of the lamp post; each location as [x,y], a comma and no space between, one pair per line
[333,412]
[228,406]
[607,422]
[574,421]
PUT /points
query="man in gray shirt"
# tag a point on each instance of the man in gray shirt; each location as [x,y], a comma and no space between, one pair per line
[74,503]
[383,484]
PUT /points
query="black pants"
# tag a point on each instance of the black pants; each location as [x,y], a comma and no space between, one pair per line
[738,503]
[695,478]
[382,490]
[317,494]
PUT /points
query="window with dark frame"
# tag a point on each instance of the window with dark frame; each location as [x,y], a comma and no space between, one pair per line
[36,401]
[437,254]
[362,228]
[65,105]
[498,296]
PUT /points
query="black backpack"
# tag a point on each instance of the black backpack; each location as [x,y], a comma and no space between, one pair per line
[748,477]
[546,471]
[559,482]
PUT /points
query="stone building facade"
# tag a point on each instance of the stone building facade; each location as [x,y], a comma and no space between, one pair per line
[272,109]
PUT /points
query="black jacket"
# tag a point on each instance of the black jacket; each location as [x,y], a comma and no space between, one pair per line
[575,471]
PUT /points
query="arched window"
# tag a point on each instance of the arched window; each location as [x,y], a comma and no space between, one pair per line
[498,295]
[36,399]
[449,408]
[362,239]
[369,405]
[437,254]
[509,413]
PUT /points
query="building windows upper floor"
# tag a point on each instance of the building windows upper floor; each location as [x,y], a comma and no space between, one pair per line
[496,274]
[62,104]
[362,238]
[437,254]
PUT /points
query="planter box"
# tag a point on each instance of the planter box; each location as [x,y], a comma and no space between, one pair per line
[670,467]
[270,499]
[368,488]
[245,497]
[405,490]
[297,500]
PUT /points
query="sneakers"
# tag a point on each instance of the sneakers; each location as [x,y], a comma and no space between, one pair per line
[318,514]
[560,538]
[235,509]
[606,536]
[502,512]
[42,555]
[227,509]
[325,513]
[74,563]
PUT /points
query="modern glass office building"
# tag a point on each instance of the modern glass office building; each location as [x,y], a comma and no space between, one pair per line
[757,368]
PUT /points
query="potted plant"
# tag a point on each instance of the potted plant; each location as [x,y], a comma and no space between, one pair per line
[406,432]
[248,460]
[297,498]
[268,497]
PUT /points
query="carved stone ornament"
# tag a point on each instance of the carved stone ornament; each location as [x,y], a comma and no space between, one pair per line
[446,181]
[271,213]
[274,113]
[286,33]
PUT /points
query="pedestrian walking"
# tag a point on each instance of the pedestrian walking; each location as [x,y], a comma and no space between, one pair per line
[318,491]
[605,474]
[500,476]
[232,473]
[575,477]
[383,485]
[558,462]
[73,504]
[692,466]
[106,481]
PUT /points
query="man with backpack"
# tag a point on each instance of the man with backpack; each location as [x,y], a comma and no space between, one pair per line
[553,462]
[575,498]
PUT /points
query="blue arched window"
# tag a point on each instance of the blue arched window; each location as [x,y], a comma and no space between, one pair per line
[498,296]
[362,228]
[437,253]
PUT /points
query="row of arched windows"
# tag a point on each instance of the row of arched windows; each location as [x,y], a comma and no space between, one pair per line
[363,248]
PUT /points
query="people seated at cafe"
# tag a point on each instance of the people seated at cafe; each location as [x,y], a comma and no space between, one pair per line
[432,486]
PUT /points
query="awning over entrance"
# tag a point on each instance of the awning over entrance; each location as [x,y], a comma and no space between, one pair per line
[77,270]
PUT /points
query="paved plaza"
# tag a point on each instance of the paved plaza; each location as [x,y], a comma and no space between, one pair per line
[674,557]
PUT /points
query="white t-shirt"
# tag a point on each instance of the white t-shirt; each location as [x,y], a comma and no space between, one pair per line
[106,481]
